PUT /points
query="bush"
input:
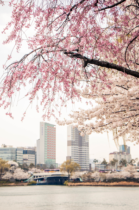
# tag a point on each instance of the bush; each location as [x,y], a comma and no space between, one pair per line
[3,182]
[66,183]
[32,183]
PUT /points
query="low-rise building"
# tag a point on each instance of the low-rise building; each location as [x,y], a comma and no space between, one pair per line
[100,167]
[29,156]
[119,156]
[21,155]
[8,153]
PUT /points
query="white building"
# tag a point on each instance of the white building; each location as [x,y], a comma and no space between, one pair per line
[78,147]
[46,145]
[119,156]
[29,156]
[19,155]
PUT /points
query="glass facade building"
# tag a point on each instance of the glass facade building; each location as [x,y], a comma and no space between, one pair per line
[8,153]
[20,155]
[124,148]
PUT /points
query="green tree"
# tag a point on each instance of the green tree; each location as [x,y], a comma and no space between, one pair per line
[113,162]
[123,162]
[4,166]
[95,161]
[69,166]
[104,162]
[25,166]
[133,161]
[52,166]
[31,165]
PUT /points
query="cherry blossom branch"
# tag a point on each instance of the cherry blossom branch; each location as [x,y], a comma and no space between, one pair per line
[103,64]
[114,5]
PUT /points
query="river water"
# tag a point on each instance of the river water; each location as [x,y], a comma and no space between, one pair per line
[69,198]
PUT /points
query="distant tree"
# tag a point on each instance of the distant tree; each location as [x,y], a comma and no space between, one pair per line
[38,166]
[113,162]
[31,165]
[52,166]
[95,161]
[69,166]
[4,166]
[123,162]
[133,161]
[25,167]
[104,162]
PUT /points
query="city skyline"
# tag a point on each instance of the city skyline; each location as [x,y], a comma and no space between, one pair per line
[100,146]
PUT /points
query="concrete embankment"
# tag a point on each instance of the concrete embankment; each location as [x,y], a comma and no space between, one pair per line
[111,184]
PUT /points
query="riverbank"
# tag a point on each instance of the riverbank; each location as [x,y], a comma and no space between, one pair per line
[111,184]
[13,184]
[70,184]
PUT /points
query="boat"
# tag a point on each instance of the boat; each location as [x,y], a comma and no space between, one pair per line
[41,181]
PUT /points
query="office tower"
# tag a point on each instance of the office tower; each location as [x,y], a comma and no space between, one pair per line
[46,145]
[78,147]
[124,148]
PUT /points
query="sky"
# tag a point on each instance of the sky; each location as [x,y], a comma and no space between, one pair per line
[17,133]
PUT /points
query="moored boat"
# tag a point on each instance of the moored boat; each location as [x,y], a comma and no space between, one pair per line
[41,181]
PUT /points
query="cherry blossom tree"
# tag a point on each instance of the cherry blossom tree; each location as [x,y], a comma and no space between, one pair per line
[34,170]
[116,110]
[15,173]
[13,163]
[19,174]
[7,176]
[81,48]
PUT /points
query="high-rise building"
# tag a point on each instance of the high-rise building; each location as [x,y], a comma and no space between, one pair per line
[124,148]
[46,145]
[78,147]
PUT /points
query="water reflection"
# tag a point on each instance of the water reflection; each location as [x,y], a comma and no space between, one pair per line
[68,198]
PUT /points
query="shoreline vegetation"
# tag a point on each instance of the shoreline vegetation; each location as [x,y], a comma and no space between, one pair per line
[13,184]
[105,184]
[75,184]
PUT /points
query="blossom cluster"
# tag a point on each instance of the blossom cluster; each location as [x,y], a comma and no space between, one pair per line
[116,108]
[68,51]
[128,172]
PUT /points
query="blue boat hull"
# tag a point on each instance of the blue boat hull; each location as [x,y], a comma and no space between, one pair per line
[42,183]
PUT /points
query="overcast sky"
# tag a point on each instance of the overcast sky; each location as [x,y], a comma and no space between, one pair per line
[17,133]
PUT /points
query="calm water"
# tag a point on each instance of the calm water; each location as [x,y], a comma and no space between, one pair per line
[69,198]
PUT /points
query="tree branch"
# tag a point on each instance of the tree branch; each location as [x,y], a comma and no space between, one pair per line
[103,64]
[114,5]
